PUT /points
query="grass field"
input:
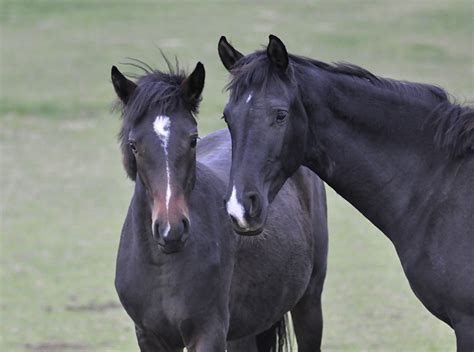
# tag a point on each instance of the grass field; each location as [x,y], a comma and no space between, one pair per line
[64,194]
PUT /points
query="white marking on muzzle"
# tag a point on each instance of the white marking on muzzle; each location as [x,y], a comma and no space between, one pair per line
[235,209]
[161,126]
[249,98]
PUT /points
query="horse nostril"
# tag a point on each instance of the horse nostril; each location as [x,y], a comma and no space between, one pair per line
[253,203]
[156,230]
[185,225]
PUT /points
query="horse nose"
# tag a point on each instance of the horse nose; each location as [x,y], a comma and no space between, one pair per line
[171,237]
[253,204]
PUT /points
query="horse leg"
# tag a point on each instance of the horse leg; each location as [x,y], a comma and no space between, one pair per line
[212,341]
[308,321]
[245,344]
[464,330]
[208,336]
[149,343]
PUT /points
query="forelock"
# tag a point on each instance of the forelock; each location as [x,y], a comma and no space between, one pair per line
[256,72]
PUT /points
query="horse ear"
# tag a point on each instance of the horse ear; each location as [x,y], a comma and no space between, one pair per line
[123,87]
[277,53]
[193,85]
[229,56]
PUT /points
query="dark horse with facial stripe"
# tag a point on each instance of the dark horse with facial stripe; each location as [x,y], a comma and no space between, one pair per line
[184,277]
[400,152]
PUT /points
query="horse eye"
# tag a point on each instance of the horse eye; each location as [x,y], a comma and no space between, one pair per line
[194,141]
[281,115]
[132,146]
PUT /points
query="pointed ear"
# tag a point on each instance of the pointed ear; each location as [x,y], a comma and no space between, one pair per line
[277,53]
[193,85]
[123,87]
[229,56]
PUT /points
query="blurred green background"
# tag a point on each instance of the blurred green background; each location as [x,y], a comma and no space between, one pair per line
[64,193]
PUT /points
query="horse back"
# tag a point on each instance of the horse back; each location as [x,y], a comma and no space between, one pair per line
[215,151]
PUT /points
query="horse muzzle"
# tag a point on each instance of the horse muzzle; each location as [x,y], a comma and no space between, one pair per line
[171,237]
[247,217]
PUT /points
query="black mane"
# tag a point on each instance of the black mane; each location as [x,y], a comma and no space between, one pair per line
[453,124]
[256,69]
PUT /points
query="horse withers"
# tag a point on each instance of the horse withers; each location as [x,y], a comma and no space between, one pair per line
[183,276]
[400,152]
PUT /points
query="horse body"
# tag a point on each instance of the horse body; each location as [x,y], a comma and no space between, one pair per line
[299,217]
[399,152]
[251,282]
[217,286]
[421,198]
[301,205]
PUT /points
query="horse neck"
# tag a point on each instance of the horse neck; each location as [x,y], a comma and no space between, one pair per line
[381,159]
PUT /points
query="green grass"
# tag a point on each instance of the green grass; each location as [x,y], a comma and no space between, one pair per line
[64,194]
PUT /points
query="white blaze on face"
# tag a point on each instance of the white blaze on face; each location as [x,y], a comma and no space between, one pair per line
[236,209]
[161,126]
[249,98]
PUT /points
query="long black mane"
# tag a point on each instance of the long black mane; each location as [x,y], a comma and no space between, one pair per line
[453,124]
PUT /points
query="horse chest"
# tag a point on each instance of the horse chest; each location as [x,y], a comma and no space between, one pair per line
[146,299]
[428,274]
[161,298]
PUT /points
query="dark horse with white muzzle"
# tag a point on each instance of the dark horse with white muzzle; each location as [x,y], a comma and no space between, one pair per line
[183,276]
[400,152]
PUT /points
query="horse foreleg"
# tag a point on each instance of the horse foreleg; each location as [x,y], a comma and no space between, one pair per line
[308,322]
[148,342]
[212,341]
[464,330]
[209,336]
[246,344]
